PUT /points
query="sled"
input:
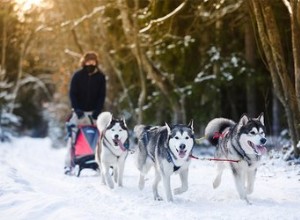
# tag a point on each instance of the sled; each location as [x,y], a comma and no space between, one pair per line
[83,151]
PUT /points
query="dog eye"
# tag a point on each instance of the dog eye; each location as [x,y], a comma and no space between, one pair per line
[252,132]
[186,138]
[176,138]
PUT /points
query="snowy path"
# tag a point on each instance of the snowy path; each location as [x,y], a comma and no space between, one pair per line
[32,186]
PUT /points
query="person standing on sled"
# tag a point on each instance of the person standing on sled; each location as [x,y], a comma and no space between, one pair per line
[87,94]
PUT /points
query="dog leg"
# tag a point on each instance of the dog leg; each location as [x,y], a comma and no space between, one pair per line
[143,171]
[240,180]
[250,180]
[217,181]
[121,165]
[102,177]
[106,174]
[184,182]
[167,186]
[155,186]
[141,181]
[115,174]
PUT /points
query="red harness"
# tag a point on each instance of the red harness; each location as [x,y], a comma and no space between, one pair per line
[217,135]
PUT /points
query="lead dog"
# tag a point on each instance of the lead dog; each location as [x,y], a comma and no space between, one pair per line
[243,141]
[112,148]
[168,149]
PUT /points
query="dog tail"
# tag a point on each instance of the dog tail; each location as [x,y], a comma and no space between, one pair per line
[217,126]
[138,130]
[103,121]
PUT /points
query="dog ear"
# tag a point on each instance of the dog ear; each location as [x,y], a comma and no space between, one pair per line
[191,125]
[243,121]
[124,122]
[261,118]
[168,128]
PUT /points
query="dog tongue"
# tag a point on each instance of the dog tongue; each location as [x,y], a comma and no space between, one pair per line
[181,154]
[121,145]
[261,149]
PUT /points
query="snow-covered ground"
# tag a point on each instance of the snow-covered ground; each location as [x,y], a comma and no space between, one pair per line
[33,186]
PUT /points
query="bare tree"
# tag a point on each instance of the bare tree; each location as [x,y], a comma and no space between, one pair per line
[284,87]
[132,31]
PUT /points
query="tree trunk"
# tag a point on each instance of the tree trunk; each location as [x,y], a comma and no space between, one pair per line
[275,116]
[271,44]
[143,93]
[4,45]
[153,73]
[250,58]
[293,8]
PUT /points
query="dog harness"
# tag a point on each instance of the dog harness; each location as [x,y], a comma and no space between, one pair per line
[170,160]
[126,145]
[225,148]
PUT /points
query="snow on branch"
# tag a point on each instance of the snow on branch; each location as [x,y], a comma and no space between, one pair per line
[76,22]
[288,6]
[72,53]
[162,19]
[218,14]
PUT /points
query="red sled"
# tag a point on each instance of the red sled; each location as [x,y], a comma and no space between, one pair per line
[84,148]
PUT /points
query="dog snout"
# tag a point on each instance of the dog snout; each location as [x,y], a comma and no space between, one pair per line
[116,136]
[263,140]
[182,146]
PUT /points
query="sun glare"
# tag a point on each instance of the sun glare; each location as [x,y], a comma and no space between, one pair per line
[27,5]
[23,7]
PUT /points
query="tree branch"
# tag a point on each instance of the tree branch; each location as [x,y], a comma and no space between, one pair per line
[162,19]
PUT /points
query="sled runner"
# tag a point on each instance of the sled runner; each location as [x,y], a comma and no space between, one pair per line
[84,148]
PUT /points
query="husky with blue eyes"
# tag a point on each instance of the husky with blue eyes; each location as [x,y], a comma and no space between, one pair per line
[168,150]
[243,142]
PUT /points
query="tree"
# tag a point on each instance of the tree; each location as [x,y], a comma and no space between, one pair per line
[285,81]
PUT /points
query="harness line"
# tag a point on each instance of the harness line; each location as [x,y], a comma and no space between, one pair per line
[215,159]
[216,135]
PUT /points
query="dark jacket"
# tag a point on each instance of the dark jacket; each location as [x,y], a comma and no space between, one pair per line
[88,90]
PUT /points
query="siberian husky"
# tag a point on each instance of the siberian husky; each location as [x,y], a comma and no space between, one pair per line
[244,142]
[168,149]
[112,149]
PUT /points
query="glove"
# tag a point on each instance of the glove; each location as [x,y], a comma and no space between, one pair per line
[79,113]
[95,114]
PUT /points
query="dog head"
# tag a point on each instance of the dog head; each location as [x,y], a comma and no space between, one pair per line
[251,133]
[117,132]
[181,139]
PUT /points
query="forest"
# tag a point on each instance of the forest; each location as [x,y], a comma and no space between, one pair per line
[164,61]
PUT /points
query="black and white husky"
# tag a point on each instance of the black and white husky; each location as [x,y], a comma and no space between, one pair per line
[112,148]
[168,149]
[244,142]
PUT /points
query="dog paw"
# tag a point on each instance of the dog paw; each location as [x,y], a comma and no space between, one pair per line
[247,201]
[216,183]
[110,185]
[158,198]
[179,190]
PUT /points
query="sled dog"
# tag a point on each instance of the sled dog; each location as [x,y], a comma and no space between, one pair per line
[112,148]
[167,149]
[243,141]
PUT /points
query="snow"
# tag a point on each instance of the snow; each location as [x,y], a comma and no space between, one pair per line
[33,186]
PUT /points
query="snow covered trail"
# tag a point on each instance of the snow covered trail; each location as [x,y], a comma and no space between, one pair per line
[33,186]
